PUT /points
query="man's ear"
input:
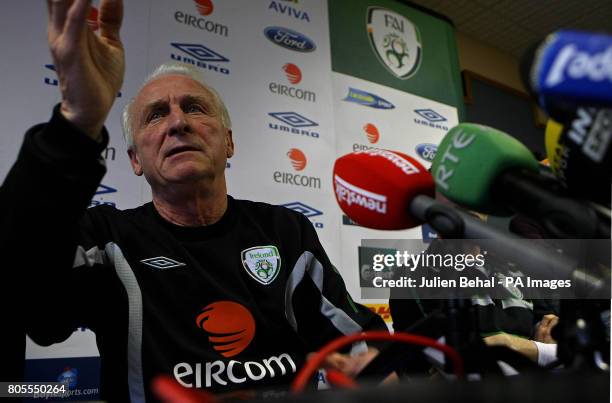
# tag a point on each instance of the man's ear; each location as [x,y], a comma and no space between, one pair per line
[229,144]
[135,161]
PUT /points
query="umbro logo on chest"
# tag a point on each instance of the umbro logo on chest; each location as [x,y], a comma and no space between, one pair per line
[162,262]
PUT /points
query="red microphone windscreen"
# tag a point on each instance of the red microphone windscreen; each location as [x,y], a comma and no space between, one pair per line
[375,187]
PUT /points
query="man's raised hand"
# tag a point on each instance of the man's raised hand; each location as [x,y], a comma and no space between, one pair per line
[90,67]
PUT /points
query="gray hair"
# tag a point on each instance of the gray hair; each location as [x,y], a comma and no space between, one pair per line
[168,69]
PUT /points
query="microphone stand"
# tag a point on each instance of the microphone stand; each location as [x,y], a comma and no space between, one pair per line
[457,319]
[461,316]
[581,334]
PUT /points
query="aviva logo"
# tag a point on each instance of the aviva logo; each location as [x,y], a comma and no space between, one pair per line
[286,9]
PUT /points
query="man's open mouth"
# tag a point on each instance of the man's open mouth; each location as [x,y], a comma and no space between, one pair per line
[180,149]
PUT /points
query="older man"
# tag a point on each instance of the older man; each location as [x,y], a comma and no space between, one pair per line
[179,137]
[221,293]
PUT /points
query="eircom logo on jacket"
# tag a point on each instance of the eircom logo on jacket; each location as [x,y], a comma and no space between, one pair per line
[230,328]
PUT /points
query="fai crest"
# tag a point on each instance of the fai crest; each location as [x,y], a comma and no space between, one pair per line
[395,40]
[262,263]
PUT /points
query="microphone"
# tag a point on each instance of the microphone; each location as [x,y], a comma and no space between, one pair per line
[569,69]
[489,171]
[373,187]
[384,190]
[580,154]
[388,190]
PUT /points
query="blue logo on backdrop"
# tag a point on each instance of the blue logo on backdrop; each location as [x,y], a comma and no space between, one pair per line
[306,210]
[200,52]
[296,124]
[289,39]
[69,377]
[82,384]
[103,190]
[201,56]
[346,220]
[426,151]
[368,99]
[431,118]
[51,81]
[430,115]
[293,119]
[428,233]
[288,10]
[302,208]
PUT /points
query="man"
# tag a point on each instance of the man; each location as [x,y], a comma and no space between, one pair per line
[220,293]
[517,323]
[79,54]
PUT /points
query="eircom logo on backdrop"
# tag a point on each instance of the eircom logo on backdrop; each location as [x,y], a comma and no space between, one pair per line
[294,76]
[204,9]
[371,134]
[298,160]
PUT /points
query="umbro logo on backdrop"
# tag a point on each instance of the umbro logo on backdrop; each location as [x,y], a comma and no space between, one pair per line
[431,118]
[294,123]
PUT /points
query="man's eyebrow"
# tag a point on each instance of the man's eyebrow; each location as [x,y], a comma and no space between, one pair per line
[163,103]
[200,99]
[159,103]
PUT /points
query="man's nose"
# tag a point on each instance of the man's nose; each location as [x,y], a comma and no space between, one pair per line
[177,121]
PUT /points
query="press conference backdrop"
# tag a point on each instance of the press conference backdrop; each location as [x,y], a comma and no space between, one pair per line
[359,74]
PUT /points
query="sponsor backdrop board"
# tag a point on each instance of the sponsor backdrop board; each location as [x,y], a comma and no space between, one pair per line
[370,115]
[79,374]
[297,101]
[396,86]
[397,46]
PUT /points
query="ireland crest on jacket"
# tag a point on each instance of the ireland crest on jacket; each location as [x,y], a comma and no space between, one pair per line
[262,263]
[395,40]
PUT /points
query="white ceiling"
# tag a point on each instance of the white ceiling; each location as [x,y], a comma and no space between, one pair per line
[513,25]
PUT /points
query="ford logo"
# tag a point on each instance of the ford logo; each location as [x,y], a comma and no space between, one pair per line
[289,39]
[426,151]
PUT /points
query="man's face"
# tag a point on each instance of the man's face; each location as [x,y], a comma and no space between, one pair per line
[178,135]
